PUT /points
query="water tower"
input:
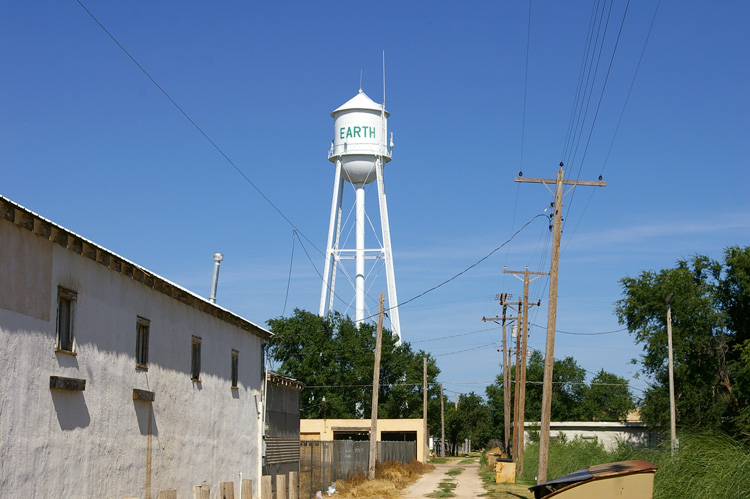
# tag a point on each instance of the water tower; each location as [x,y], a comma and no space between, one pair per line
[360,150]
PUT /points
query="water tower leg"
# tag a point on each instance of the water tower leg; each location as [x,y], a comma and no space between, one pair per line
[390,276]
[335,264]
[360,255]
[333,228]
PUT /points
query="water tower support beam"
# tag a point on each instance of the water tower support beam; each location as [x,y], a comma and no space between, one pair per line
[336,247]
[390,275]
[333,228]
[360,255]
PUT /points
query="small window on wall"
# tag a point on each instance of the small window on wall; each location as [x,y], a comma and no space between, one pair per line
[141,343]
[66,300]
[195,363]
[235,367]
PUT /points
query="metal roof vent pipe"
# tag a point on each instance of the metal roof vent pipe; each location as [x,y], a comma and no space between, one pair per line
[218,257]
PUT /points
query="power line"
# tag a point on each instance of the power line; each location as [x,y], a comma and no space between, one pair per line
[465,350]
[289,279]
[525,84]
[184,113]
[585,334]
[604,87]
[467,268]
[632,82]
[456,335]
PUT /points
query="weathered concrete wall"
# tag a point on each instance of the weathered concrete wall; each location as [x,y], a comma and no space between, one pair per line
[608,434]
[100,442]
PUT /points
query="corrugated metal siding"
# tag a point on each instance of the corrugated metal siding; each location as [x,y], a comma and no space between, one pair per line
[282,450]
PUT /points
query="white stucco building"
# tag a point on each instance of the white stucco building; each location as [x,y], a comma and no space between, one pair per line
[115,382]
[608,433]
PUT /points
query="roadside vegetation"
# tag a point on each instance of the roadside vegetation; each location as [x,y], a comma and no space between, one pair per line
[390,479]
[706,465]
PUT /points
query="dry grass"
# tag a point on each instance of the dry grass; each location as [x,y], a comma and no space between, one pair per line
[390,478]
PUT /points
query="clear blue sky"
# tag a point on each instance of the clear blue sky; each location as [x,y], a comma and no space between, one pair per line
[88,141]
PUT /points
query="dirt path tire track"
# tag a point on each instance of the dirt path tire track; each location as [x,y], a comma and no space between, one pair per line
[468,483]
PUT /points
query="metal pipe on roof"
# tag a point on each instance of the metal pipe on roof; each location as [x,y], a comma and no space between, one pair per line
[218,257]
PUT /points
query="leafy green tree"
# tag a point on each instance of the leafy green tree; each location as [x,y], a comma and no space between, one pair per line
[494,395]
[734,297]
[568,379]
[710,317]
[335,359]
[606,398]
[470,420]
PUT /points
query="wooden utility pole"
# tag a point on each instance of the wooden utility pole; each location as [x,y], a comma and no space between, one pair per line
[442,423]
[517,395]
[672,424]
[424,410]
[506,369]
[549,353]
[375,389]
[521,377]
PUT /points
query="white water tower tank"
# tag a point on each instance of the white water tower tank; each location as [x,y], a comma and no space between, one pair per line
[360,135]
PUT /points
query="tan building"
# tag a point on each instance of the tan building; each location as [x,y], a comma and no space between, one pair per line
[389,430]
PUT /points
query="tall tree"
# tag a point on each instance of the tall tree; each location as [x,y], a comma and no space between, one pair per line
[606,398]
[335,358]
[470,420]
[709,328]
[734,297]
[568,380]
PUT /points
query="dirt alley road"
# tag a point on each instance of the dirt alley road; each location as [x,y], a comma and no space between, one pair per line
[468,483]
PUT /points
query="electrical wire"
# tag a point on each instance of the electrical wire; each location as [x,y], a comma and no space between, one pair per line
[455,335]
[584,334]
[598,105]
[465,350]
[525,85]
[632,82]
[622,113]
[187,117]
[466,269]
[289,279]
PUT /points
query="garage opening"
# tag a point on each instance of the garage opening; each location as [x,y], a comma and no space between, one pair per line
[398,436]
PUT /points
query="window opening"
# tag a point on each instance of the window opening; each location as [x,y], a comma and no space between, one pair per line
[195,364]
[235,367]
[65,314]
[141,343]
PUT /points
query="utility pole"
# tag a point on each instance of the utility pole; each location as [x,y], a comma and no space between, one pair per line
[524,335]
[375,388]
[506,370]
[424,410]
[552,309]
[517,395]
[672,424]
[442,423]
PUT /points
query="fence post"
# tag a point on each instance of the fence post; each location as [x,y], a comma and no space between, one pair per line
[226,490]
[280,486]
[324,463]
[293,485]
[246,489]
[168,494]
[266,490]
[201,492]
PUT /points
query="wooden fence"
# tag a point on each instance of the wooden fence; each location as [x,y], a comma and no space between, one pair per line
[286,487]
